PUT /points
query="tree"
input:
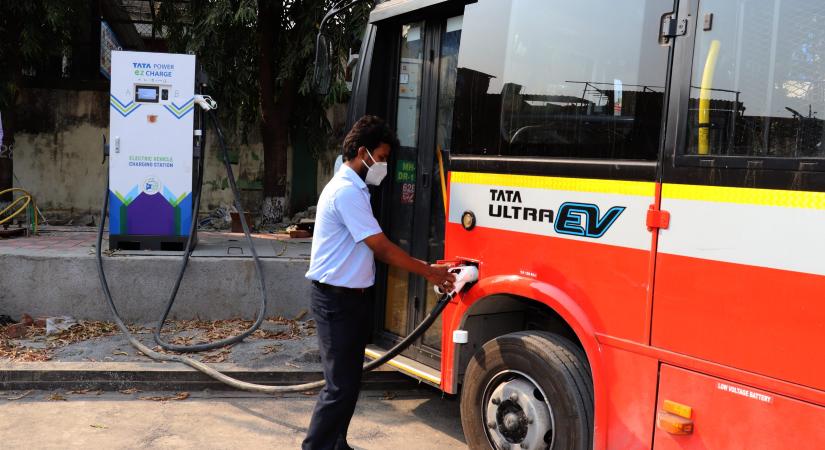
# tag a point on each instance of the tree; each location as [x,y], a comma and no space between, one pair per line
[259,57]
[31,32]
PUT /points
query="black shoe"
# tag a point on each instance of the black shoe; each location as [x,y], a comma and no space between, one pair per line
[341,444]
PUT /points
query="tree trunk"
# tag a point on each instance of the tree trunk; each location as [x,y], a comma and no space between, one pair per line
[274,121]
[269,24]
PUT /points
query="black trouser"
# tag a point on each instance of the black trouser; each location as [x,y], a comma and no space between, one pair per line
[343,321]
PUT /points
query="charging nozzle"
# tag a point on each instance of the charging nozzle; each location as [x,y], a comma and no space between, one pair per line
[464,275]
[206,102]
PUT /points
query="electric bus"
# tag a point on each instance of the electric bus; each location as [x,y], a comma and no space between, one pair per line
[641,185]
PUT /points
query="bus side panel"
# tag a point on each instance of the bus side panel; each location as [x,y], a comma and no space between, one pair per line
[730,415]
[607,274]
[739,280]
[756,319]
[631,397]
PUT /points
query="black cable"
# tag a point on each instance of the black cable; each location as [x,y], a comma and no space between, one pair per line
[418,331]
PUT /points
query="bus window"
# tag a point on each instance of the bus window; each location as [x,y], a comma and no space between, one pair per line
[580,79]
[409,83]
[758,80]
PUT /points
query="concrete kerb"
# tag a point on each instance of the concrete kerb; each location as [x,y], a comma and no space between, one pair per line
[150,376]
[213,287]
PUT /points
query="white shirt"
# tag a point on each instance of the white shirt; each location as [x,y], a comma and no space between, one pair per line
[342,221]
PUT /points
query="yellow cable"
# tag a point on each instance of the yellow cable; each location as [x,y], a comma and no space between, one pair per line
[14,202]
[26,198]
[443,179]
[704,97]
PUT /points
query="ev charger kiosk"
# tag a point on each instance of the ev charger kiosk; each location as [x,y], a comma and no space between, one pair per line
[151,123]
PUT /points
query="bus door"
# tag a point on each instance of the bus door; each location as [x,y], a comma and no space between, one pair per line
[413,211]
[739,277]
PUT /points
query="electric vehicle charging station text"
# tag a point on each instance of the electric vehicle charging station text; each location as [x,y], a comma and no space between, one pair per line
[150,152]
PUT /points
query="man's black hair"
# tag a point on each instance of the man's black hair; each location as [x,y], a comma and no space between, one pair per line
[369,132]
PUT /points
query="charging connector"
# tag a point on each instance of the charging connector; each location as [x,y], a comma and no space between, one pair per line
[206,102]
[464,275]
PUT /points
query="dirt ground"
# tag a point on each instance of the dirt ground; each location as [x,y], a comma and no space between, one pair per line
[280,344]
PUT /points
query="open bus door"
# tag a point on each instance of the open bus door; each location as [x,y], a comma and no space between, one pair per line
[422,68]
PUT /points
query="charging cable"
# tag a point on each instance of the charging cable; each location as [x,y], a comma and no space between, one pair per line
[464,278]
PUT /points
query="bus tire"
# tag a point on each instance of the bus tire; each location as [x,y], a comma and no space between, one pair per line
[498,410]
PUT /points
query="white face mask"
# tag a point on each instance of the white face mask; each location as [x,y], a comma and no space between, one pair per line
[376,172]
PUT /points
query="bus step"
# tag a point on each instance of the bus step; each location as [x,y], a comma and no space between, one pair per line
[407,366]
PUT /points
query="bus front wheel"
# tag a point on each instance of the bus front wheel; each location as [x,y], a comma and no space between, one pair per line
[531,390]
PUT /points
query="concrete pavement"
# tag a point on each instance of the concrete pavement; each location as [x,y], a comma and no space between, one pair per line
[414,419]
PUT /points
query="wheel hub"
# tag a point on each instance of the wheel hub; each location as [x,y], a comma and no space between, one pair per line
[517,414]
[511,421]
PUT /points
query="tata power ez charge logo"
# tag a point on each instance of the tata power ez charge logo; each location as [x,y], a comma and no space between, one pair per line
[571,218]
[153,70]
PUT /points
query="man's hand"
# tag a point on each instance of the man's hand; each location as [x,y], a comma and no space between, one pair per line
[439,276]
[391,254]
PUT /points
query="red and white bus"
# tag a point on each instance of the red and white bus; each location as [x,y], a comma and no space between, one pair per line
[642,187]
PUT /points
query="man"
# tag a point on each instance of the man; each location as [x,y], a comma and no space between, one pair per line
[346,240]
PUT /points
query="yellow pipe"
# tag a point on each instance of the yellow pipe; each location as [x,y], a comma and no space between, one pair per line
[26,198]
[11,205]
[704,97]
[443,179]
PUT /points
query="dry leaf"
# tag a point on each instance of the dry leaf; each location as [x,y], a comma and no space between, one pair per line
[271,349]
[129,391]
[202,332]
[81,331]
[388,395]
[163,398]
[20,396]
[14,352]
[218,357]
[57,397]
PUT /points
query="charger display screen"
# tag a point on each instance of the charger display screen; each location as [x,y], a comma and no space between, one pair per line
[146,94]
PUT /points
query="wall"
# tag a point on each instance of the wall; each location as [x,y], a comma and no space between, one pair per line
[58,155]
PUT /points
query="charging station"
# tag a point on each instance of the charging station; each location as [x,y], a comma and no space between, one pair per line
[151,137]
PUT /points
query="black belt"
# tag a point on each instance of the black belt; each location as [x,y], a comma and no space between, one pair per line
[339,289]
